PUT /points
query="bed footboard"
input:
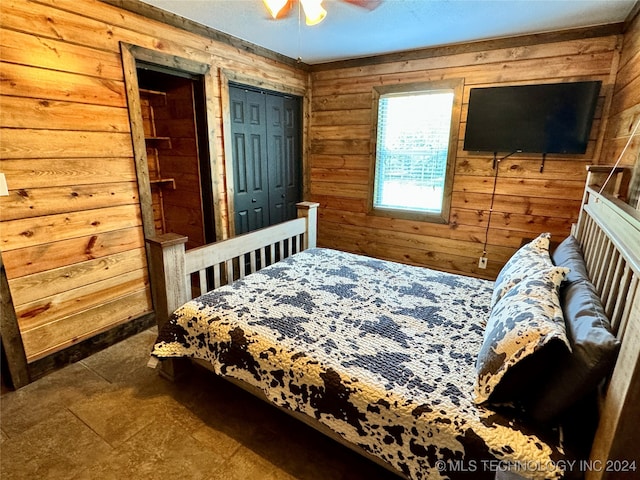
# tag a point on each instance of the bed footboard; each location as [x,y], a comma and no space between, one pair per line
[177,275]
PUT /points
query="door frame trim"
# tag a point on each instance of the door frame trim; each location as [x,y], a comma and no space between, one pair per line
[227,76]
[130,55]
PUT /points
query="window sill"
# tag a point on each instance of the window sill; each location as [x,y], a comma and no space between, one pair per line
[409,215]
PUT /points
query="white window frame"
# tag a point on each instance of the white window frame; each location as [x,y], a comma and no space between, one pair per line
[454,85]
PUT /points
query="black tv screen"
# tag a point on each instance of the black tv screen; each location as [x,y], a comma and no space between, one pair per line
[549,118]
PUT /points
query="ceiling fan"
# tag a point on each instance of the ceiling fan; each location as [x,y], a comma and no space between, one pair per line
[313,10]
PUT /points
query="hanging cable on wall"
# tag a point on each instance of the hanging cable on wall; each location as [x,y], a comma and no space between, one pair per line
[619,157]
[496,166]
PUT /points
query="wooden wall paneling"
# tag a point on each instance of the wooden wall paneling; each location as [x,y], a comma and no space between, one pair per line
[27,81]
[40,202]
[238,45]
[360,162]
[608,90]
[19,112]
[57,172]
[363,221]
[49,309]
[70,330]
[527,202]
[512,72]
[213,109]
[26,232]
[51,53]
[490,51]
[512,64]
[49,21]
[29,288]
[68,157]
[335,103]
[35,143]
[625,108]
[520,166]
[48,256]
[404,248]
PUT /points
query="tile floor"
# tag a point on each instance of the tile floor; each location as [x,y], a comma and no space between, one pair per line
[110,417]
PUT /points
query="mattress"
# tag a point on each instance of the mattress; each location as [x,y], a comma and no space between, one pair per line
[382,353]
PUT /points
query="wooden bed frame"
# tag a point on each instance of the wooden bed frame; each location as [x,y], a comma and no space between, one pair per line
[608,231]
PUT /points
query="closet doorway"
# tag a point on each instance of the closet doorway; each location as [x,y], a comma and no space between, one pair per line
[266,133]
[180,177]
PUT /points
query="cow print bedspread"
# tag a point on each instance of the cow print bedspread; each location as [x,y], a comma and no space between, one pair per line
[382,353]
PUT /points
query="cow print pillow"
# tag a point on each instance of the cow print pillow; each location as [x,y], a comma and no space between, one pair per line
[527,318]
[532,257]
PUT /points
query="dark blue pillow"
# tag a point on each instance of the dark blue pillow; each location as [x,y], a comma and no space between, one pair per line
[569,254]
[594,349]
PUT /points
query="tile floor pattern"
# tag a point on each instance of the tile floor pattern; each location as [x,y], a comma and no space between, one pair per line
[110,417]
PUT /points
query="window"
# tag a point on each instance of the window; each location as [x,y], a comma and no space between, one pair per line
[416,141]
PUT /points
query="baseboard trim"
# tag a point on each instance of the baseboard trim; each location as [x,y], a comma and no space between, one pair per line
[77,352]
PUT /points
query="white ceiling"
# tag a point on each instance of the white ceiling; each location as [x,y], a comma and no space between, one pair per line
[396,25]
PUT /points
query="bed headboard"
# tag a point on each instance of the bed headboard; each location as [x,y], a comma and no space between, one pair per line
[609,232]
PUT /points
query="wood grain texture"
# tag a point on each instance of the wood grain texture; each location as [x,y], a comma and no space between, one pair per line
[625,105]
[61,61]
[69,330]
[527,202]
[71,227]
[51,255]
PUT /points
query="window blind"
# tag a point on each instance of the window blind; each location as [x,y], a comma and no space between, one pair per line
[412,149]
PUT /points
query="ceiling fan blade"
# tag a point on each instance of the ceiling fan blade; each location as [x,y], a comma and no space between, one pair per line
[368,4]
[280,11]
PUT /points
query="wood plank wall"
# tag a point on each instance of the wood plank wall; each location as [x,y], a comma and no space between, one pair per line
[70,231]
[625,107]
[527,202]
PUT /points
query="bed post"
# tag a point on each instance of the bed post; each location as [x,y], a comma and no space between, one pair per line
[309,210]
[166,254]
[168,286]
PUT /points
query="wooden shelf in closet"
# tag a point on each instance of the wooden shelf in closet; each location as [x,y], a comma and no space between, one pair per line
[158,142]
[171,182]
[155,97]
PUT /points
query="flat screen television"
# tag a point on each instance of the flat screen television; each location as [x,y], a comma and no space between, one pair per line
[548,118]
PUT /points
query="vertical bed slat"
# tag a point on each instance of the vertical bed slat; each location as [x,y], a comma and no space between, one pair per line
[297,244]
[252,261]
[216,276]
[612,299]
[202,276]
[609,287]
[263,257]
[630,298]
[597,256]
[603,264]
[229,271]
[588,240]
[242,265]
[617,314]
